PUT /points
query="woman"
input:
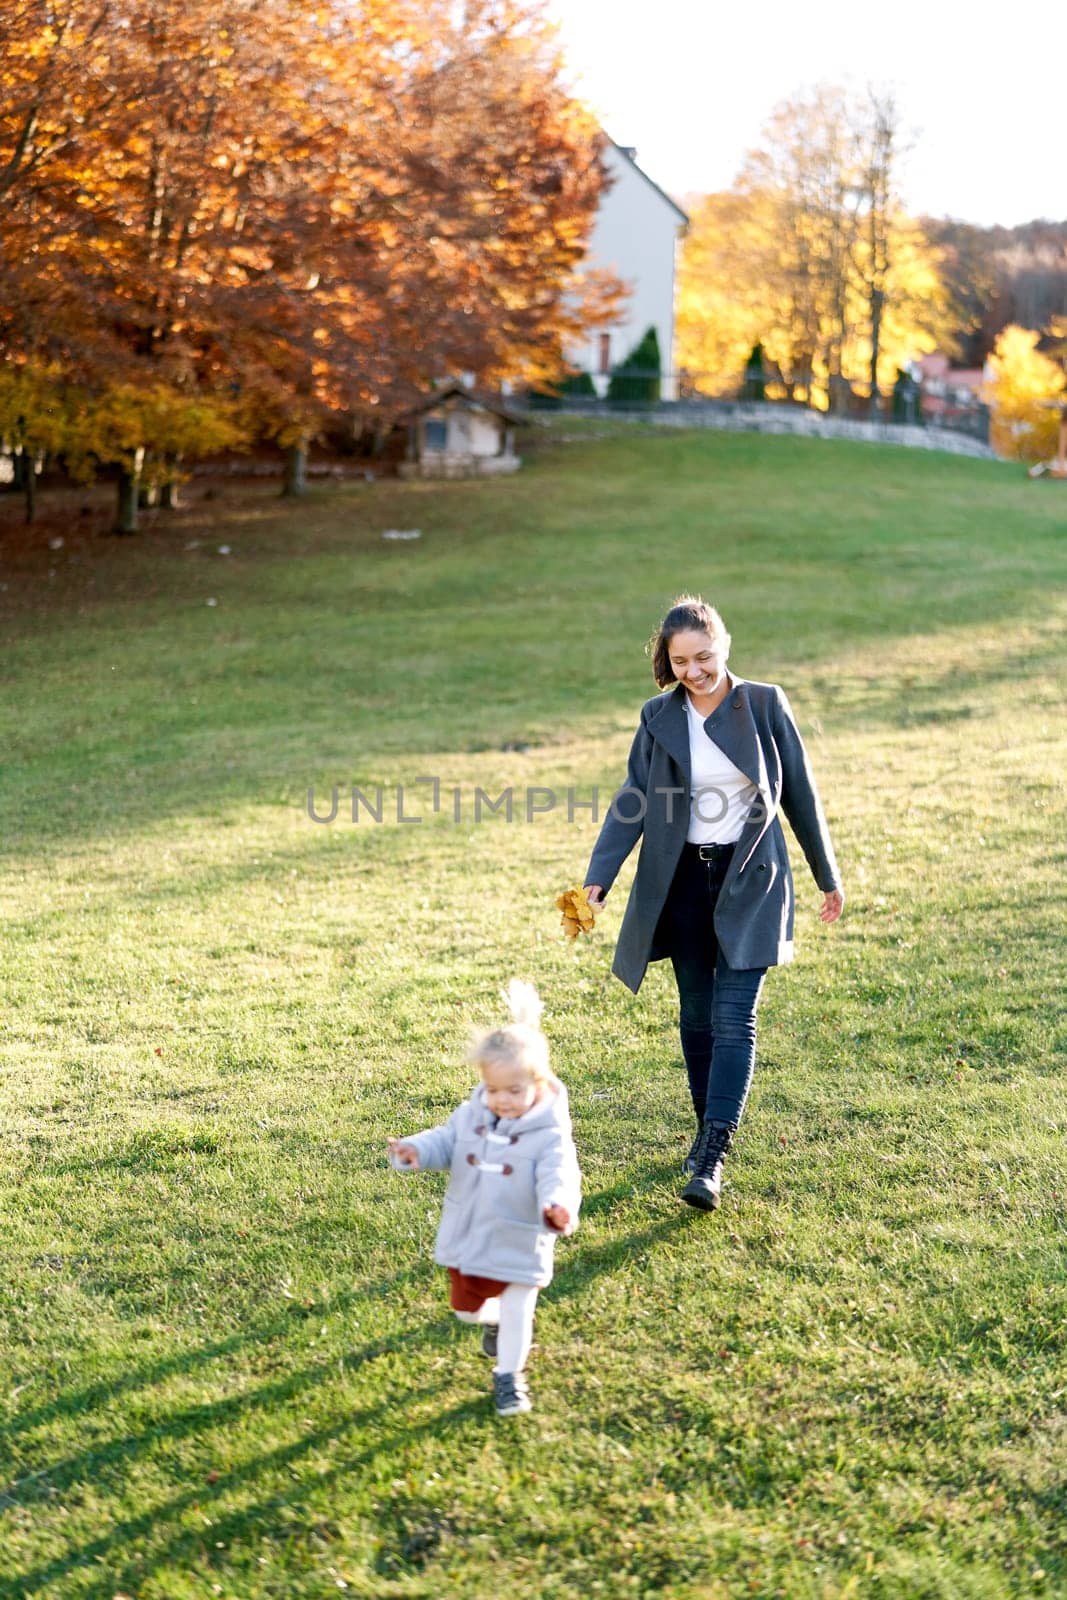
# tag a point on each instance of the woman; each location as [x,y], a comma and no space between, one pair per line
[711,765]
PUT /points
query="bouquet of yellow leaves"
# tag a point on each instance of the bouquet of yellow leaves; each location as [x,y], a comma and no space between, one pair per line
[577,912]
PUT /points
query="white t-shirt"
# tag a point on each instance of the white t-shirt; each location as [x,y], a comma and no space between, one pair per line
[721,795]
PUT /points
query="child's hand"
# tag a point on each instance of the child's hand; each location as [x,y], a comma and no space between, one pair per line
[404,1154]
[558,1218]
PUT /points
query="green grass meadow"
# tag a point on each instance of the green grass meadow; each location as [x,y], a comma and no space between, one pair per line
[227,1364]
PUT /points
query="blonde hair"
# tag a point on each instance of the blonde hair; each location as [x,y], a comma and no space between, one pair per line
[519,1043]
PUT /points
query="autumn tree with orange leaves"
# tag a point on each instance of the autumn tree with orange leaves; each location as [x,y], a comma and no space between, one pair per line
[284,212]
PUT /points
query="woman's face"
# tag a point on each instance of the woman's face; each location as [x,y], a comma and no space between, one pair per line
[697,660]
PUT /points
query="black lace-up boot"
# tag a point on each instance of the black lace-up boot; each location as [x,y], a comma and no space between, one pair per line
[704,1189]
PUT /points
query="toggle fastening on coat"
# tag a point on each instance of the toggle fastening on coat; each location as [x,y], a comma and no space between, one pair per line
[491,1223]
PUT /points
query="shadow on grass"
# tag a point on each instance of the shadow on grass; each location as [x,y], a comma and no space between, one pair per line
[103,1393]
[191,1421]
[655,1179]
[99,1394]
[51,813]
[201,1547]
[233,706]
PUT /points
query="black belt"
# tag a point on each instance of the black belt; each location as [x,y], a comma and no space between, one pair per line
[711,852]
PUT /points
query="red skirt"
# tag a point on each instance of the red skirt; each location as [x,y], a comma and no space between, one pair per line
[469,1293]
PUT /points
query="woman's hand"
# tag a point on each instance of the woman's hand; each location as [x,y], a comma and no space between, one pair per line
[832,906]
[406,1154]
[558,1218]
[595,895]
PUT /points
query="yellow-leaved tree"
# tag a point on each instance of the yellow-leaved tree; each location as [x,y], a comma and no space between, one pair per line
[33,418]
[146,432]
[917,315]
[1022,395]
[725,303]
[812,258]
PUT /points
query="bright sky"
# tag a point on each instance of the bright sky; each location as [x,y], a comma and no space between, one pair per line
[690,82]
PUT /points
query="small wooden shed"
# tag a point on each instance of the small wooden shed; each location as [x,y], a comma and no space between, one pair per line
[457,432]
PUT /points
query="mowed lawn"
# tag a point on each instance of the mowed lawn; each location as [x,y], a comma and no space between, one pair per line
[228,1366]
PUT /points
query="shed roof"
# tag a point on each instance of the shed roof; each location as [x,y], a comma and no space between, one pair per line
[478,400]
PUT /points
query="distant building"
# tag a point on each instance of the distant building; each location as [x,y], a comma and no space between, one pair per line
[636,236]
[946,389]
[457,432]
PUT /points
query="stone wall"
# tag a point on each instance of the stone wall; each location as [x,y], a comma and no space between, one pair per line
[766,417]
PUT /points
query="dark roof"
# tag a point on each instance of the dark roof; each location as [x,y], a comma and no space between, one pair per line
[477,399]
[624,150]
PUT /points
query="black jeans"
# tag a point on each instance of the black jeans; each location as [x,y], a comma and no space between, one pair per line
[717,1002]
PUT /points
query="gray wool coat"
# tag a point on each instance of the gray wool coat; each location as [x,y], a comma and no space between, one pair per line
[504,1173]
[754,915]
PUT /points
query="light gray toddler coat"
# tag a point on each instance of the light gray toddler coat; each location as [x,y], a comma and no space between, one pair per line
[504,1173]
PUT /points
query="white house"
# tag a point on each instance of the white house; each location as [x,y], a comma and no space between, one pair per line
[458,433]
[636,236]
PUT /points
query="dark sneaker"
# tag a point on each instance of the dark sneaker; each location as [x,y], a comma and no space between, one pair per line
[511,1394]
[704,1189]
[489,1333]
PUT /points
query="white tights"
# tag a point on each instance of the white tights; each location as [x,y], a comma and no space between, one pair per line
[513,1311]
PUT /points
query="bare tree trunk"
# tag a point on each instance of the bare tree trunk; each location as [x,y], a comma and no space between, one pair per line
[296,470]
[168,490]
[877,298]
[883,149]
[841,233]
[128,495]
[30,485]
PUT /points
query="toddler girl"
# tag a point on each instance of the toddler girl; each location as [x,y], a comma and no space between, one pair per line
[514,1187]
